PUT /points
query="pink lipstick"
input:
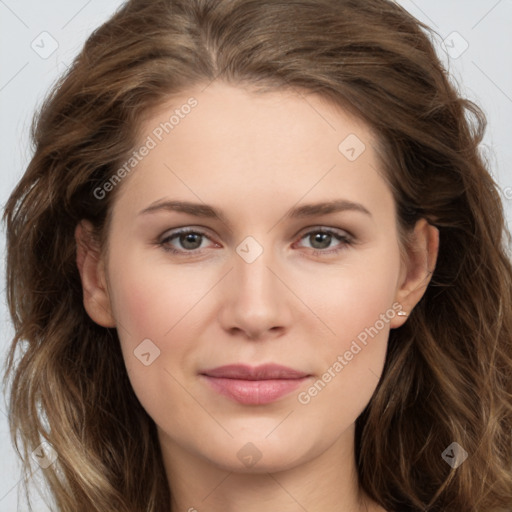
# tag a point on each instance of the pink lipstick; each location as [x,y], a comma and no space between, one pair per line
[254,385]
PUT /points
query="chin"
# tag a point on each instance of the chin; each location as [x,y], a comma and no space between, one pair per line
[255,454]
[268,463]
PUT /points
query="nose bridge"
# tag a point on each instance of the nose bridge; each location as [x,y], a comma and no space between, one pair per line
[252,274]
[256,300]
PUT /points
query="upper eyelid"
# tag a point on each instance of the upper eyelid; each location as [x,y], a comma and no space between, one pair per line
[340,231]
[184,230]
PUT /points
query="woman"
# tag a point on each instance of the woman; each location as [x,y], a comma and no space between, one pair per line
[257,261]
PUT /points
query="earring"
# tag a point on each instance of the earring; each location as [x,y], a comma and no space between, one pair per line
[402,313]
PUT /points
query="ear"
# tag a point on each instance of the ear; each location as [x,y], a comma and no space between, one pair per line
[92,273]
[417,269]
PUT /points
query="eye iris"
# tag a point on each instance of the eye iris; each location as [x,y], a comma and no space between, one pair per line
[190,240]
[321,238]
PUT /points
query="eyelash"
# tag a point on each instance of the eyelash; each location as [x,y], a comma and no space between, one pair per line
[345,239]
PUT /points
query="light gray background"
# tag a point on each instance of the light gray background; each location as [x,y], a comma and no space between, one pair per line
[483,72]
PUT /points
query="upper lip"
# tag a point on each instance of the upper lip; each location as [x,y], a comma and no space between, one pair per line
[262,372]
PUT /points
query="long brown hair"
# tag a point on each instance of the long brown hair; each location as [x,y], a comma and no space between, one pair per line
[448,372]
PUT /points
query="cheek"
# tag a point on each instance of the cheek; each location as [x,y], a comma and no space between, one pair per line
[355,301]
[150,299]
[352,296]
[149,308]
[154,310]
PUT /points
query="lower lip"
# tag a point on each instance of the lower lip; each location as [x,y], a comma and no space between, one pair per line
[255,392]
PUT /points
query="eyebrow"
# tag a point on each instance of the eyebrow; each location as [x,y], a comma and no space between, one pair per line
[298,212]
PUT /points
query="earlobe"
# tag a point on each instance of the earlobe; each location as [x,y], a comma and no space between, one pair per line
[418,269]
[92,274]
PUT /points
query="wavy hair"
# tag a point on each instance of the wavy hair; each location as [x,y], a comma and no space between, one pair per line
[448,371]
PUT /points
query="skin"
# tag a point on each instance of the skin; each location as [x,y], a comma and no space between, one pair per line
[255,156]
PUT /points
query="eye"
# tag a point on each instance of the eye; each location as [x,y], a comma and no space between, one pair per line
[190,241]
[321,239]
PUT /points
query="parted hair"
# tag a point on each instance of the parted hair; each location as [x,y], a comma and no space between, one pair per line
[448,371]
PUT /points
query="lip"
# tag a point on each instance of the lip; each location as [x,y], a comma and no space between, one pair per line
[254,385]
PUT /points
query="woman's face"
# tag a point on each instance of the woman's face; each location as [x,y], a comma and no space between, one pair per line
[300,267]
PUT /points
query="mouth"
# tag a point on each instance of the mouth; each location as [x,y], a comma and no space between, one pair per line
[254,385]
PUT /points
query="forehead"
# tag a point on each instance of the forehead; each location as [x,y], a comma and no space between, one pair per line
[231,144]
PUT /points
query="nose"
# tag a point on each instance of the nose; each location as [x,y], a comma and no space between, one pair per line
[256,302]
